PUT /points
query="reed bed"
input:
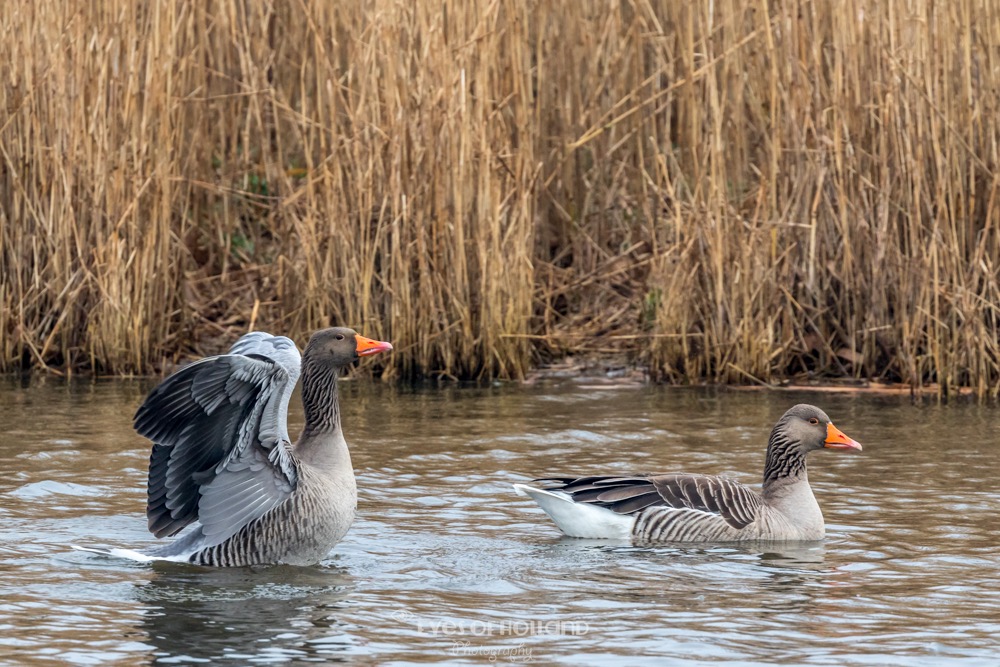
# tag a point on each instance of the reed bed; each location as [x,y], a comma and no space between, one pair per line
[725,191]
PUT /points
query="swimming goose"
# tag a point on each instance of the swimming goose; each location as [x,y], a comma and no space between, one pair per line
[702,508]
[223,463]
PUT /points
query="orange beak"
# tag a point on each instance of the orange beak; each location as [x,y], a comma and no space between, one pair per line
[367,346]
[835,439]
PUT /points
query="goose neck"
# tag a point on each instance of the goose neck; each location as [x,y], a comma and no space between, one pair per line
[785,463]
[319,398]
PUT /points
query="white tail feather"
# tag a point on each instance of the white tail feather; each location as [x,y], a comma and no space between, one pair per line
[579,519]
[130,554]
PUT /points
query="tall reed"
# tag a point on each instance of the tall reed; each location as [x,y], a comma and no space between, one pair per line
[727,191]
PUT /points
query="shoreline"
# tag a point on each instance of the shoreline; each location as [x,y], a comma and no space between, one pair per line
[594,371]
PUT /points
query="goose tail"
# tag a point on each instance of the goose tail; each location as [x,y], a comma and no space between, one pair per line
[129,554]
[579,519]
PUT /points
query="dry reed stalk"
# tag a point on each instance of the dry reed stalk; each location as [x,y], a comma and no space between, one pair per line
[729,191]
[847,222]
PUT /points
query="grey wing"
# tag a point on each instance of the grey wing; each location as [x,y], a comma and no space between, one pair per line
[221,453]
[280,350]
[735,503]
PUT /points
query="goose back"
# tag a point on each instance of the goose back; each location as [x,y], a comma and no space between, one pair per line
[672,507]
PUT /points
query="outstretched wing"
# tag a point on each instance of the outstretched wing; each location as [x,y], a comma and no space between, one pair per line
[220,439]
[735,503]
[281,350]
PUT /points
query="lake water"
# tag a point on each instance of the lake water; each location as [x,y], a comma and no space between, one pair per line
[446,564]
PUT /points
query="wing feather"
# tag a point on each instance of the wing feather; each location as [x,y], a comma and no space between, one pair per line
[735,503]
[221,452]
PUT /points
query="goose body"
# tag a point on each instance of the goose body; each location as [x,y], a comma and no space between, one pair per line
[223,465]
[684,507]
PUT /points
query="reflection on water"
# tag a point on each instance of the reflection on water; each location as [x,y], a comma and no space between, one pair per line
[197,613]
[446,564]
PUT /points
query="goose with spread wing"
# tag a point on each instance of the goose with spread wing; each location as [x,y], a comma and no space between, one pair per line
[224,466]
[702,508]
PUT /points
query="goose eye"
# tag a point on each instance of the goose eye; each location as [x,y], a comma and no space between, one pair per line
[341,337]
[814,421]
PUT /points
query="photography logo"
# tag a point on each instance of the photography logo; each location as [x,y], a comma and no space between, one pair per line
[493,627]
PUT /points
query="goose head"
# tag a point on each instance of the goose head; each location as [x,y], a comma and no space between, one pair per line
[806,428]
[340,346]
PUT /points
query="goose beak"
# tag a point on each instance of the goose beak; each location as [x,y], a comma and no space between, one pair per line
[835,439]
[367,347]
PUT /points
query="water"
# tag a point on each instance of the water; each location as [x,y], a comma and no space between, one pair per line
[445,563]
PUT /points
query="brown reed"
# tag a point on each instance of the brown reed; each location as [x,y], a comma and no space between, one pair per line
[727,191]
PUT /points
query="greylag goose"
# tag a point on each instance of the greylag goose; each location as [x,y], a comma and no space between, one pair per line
[222,459]
[702,508]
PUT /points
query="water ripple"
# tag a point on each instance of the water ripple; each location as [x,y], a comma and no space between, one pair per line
[446,563]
